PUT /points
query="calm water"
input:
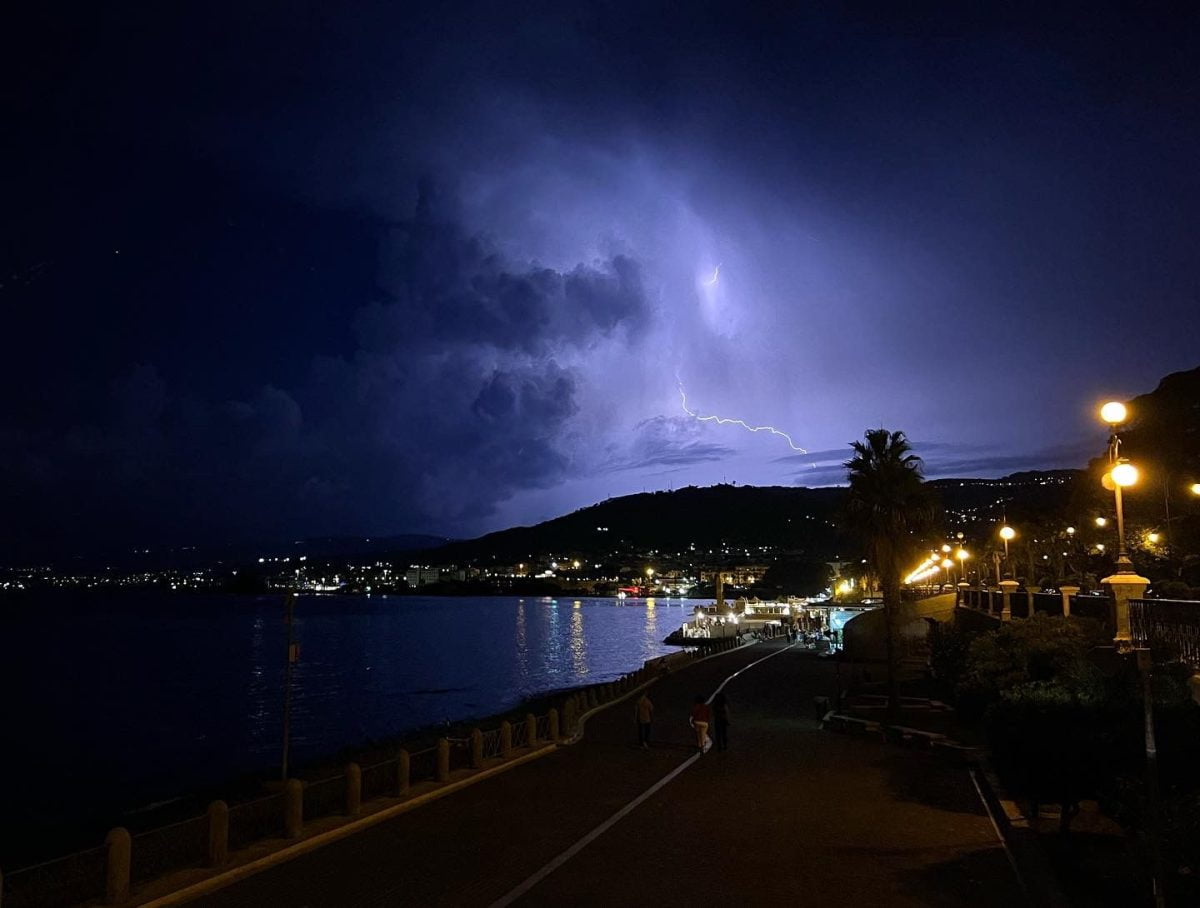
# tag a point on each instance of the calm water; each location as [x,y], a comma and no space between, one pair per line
[119,702]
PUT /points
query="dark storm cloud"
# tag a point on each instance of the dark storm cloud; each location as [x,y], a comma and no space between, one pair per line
[674,441]
[455,398]
[453,289]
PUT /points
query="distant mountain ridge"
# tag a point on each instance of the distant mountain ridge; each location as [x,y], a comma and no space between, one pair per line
[198,556]
[799,520]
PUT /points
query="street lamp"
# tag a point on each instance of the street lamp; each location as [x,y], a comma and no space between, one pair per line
[1195,488]
[962,557]
[1122,475]
[1007,533]
[946,565]
[1101,522]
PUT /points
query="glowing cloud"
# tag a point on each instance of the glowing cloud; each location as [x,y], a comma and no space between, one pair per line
[725,421]
[712,281]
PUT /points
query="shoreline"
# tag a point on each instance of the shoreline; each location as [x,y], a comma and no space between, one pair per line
[238,789]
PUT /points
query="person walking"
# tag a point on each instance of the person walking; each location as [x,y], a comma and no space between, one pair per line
[644,713]
[701,716]
[720,709]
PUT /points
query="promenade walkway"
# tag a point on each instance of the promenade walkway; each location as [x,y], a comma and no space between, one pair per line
[790,814]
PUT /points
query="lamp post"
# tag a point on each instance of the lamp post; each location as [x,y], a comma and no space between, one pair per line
[1007,585]
[1124,585]
[1007,533]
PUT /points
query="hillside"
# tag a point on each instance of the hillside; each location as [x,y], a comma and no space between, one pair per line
[799,521]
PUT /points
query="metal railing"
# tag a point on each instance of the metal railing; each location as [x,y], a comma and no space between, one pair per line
[491,743]
[251,821]
[324,798]
[169,848]
[379,780]
[1169,628]
[1047,603]
[77,878]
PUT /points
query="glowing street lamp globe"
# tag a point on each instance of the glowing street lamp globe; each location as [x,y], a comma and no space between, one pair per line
[1113,413]
[1070,531]
[1124,475]
[1101,522]
[1007,533]
[1196,488]
[947,564]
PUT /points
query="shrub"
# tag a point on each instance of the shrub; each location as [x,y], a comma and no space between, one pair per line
[1043,648]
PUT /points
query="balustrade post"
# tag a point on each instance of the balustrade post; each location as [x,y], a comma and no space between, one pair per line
[476,749]
[353,789]
[120,857]
[403,773]
[553,723]
[293,808]
[1122,588]
[506,739]
[531,724]
[443,760]
[218,833]
[1007,587]
[1067,592]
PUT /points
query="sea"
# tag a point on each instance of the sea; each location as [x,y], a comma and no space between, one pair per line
[120,703]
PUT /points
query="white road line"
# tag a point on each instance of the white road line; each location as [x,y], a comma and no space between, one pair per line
[1012,861]
[624,811]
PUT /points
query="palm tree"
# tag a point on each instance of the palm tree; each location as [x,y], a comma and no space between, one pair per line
[887,505]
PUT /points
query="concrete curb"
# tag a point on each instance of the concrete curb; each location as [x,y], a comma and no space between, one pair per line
[283,855]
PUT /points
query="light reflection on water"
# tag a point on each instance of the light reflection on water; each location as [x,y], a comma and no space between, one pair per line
[156,695]
[579,656]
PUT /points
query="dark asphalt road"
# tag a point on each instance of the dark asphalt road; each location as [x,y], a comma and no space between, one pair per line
[788,814]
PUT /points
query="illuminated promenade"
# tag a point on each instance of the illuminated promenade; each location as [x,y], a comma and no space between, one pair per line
[790,814]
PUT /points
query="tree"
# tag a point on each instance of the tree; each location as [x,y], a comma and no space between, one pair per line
[888,504]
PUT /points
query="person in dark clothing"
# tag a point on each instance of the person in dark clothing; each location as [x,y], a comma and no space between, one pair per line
[720,708]
[700,718]
[644,713]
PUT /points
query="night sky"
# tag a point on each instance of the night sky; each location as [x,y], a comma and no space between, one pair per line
[271,271]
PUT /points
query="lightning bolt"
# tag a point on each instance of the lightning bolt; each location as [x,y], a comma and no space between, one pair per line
[723,421]
[713,280]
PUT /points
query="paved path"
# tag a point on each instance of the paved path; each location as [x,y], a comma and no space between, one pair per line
[788,813]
